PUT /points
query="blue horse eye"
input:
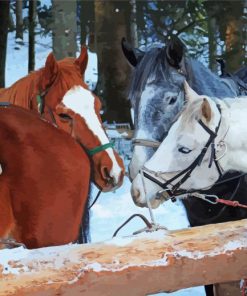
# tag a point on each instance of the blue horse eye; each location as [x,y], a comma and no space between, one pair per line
[184,150]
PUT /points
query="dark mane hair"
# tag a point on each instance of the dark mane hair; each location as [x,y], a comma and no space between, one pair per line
[152,63]
[155,66]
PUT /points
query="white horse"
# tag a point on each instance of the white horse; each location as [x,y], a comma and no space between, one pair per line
[207,139]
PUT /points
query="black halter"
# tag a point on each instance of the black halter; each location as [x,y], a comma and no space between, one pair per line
[197,162]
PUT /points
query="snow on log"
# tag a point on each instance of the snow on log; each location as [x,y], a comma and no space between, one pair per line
[133,266]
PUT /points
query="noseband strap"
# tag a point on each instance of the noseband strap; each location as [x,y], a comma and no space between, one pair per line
[100,148]
[197,162]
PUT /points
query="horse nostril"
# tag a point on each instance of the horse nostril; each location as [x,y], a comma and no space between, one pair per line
[105,174]
[135,193]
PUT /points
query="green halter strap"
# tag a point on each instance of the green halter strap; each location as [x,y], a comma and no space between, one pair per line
[100,148]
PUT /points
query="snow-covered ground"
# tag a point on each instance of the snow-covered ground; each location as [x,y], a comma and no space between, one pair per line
[112,209]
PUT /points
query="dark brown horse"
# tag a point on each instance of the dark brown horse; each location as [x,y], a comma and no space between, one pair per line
[59,93]
[44,180]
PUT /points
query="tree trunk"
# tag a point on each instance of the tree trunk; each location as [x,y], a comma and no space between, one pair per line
[233,33]
[87,24]
[212,10]
[19,20]
[64,28]
[4,20]
[133,24]
[112,21]
[134,266]
[31,36]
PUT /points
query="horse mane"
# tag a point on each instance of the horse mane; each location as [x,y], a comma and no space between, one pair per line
[23,91]
[154,66]
[149,66]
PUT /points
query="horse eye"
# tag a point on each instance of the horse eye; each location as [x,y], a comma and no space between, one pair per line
[172,100]
[184,150]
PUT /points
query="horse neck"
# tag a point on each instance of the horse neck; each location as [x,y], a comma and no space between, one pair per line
[234,135]
[205,82]
[23,91]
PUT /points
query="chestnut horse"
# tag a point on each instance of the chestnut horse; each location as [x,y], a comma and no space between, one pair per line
[59,93]
[44,180]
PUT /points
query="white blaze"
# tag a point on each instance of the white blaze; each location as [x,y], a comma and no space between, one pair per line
[140,155]
[81,101]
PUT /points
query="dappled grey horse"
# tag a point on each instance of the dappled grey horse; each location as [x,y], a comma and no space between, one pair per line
[157,96]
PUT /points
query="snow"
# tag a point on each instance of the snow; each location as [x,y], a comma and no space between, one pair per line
[115,134]
[55,257]
[112,209]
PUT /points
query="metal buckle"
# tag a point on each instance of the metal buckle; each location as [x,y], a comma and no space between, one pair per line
[210,198]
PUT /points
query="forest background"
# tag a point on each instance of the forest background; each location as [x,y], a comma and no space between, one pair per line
[210,29]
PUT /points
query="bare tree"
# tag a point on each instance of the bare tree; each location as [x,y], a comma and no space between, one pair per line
[4,21]
[232,25]
[19,20]
[112,23]
[31,36]
[64,28]
[133,24]
[87,24]
[212,9]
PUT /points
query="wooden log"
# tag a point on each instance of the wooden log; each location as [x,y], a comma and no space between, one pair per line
[132,266]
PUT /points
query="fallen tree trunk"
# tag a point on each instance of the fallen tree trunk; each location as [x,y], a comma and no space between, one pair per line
[147,263]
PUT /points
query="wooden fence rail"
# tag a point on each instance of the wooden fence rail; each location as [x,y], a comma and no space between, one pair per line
[132,266]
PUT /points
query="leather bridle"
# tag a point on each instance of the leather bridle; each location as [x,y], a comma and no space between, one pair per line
[174,189]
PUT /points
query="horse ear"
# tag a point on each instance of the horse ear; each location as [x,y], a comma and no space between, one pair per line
[190,94]
[133,55]
[82,60]
[174,51]
[206,110]
[50,71]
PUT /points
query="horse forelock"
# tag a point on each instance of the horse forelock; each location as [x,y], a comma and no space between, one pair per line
[153,66]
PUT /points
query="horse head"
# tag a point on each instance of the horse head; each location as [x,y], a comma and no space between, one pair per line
[156,94]
[75,106]
[187,159]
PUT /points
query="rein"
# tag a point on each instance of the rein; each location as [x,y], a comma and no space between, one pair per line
[146,143]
